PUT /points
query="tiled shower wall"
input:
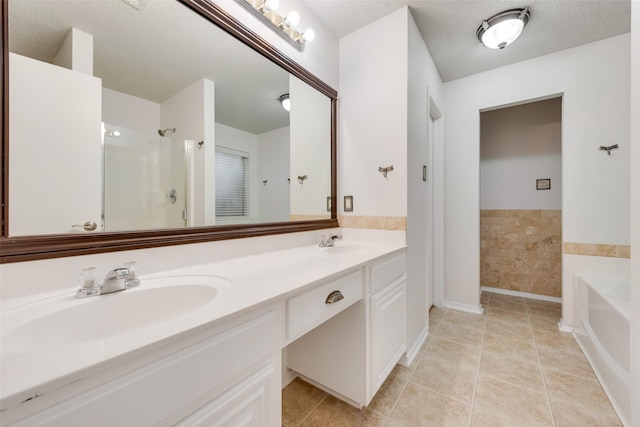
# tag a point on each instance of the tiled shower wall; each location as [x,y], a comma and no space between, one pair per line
[521,250]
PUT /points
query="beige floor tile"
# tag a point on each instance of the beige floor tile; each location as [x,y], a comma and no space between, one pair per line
[568,415]
[391,423]
[481,418]
[437,313]
[521,349]
[578,391]
[570,363]
[549,312]
[556,340]
[541,303]
[460,334]
[444,377]
[508,316]
[508,329]
[507,305]
[544,323]
[418,406]
[512,403]
[298,400]
[468,320]
[384,400]
[515,372]
[508,298]
[333,412]
[460,355]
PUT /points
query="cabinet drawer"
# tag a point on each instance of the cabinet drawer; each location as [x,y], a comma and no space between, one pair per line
[387,271]
[310,309]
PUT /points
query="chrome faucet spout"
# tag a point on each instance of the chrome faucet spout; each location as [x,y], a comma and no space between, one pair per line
[328,241]
[114,281]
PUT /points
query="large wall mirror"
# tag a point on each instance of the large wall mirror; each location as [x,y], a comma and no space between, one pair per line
[138,127]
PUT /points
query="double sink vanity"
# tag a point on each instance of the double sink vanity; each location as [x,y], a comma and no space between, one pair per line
[208,344]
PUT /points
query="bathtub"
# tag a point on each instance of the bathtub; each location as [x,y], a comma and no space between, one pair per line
[603,307]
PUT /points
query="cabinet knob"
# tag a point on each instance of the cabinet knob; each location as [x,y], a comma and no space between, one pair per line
[334,296]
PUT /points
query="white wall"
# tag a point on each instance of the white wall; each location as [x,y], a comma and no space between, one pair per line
[274,196]
[310,126]
[423,81]
[192,111]
[55,116]
[594,81]
[635,212]
[519,145]
[373,117]
[129,111]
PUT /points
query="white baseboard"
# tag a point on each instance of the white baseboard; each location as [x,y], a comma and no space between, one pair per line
[475,309]
[408,358]
[521,294]
[564,327]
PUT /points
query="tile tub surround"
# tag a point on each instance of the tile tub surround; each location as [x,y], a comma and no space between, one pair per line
[521,250]
[374,222]
[602,250]
[507,367]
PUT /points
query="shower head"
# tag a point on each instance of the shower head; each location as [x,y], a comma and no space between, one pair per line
[166,131]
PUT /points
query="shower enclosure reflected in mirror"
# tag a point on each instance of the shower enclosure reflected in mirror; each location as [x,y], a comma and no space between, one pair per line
[116,116]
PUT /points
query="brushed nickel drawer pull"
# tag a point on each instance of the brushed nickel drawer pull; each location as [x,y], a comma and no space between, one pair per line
[334,296]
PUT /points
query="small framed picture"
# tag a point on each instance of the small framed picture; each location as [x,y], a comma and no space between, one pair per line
[348,203]
[543,184]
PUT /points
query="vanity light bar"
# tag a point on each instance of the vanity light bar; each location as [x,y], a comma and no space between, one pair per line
[265,11]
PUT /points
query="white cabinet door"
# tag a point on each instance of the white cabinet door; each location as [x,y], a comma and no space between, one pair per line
[388,317]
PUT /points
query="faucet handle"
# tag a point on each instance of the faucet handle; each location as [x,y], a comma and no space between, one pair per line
[131,280]
[88,284]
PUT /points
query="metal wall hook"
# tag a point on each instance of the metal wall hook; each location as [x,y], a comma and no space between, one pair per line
[385,170]
[302,178]
[609,148]
[200,144]
[264,181]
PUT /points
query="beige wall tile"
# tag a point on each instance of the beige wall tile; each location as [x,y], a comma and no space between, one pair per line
[398,223]
[521,250]
[603,250]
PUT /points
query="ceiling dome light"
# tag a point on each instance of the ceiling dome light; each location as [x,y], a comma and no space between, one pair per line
[285,101]
[503,28]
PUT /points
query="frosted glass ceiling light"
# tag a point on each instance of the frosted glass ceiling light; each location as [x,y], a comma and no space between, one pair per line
[285,101]
[284,27]
[503,28]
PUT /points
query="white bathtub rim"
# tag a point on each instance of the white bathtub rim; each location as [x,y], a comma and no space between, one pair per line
[620,304]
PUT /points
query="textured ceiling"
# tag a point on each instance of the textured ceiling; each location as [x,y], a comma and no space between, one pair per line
[448,27]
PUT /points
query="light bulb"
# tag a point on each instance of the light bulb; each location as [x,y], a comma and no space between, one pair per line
[293,18]
[308,35]
[271,4]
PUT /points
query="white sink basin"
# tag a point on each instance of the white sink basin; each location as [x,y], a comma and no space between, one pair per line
[156,301]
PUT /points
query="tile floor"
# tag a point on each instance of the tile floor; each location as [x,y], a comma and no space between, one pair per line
[508,367]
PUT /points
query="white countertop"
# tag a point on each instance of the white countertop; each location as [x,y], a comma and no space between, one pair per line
[256,280]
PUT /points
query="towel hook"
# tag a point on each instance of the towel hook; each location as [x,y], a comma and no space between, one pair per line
[385,170]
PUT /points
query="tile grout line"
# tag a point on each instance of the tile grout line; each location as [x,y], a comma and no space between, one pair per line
[417,362]
[311,412]
[475,383]
[544,381]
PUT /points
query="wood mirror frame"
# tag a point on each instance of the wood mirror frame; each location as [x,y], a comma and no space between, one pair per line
[26,248]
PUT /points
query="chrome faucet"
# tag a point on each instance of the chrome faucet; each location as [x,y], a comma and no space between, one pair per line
[116,280]
[328,241]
